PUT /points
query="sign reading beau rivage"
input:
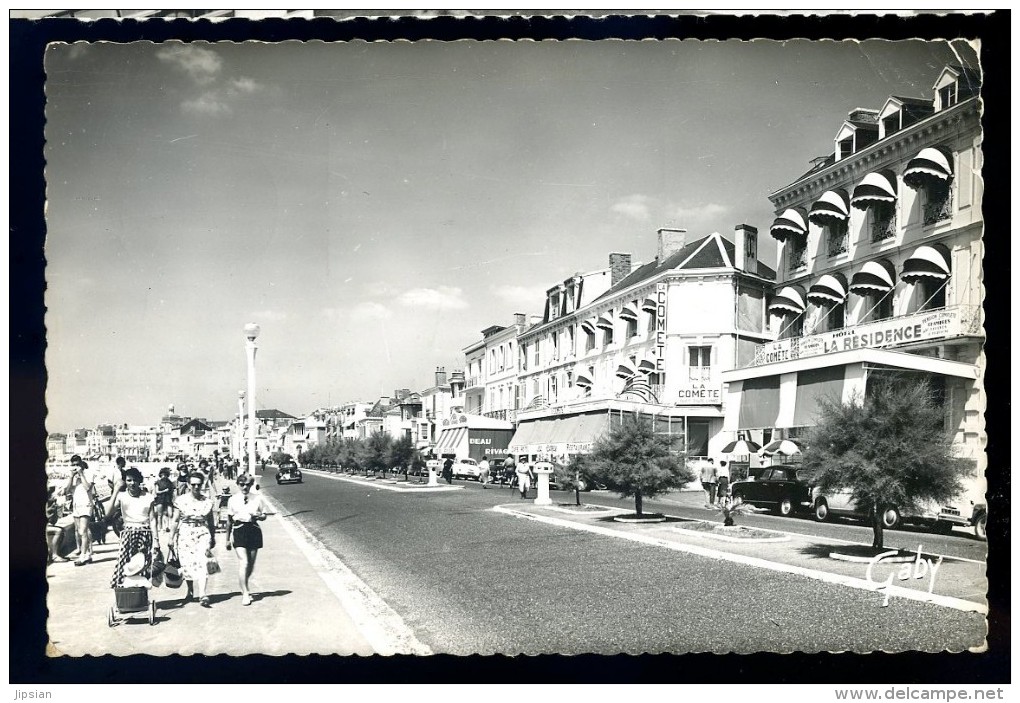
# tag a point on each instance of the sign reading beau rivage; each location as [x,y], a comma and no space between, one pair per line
[949,322]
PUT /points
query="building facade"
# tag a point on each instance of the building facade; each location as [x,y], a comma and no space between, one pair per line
[653,342]
[879,270]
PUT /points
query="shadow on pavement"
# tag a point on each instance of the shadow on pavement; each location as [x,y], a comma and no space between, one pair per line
[270,594]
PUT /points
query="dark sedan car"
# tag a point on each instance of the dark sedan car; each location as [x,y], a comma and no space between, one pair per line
[288,473]
[784,489]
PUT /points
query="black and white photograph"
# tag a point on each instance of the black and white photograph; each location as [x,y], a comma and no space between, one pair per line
[664,346]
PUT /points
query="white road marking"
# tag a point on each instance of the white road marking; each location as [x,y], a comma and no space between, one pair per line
[825,576]
[377,622]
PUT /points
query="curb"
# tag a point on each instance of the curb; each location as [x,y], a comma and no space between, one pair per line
[727,538]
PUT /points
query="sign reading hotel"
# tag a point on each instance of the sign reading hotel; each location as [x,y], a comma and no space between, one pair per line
[875,335]
[660,327]
[700,394]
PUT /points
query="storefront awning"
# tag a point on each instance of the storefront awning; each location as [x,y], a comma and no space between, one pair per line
[450,440]
[832,205]
[931,164]
[793,222]
[928,261]
[649,305]
[874,277]
[789,299]
[812,386]
[605,322]
[628,313]
[830,288]
[759,403]
[877,187]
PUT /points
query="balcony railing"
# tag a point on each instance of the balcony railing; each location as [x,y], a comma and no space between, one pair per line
[938,210]
[931,325]
[798,259]
[884,229]
[700,373]
[473,381]
[838,244]
[505,414]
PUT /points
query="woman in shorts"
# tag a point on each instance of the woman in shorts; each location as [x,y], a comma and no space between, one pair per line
[163,502]
[244,512]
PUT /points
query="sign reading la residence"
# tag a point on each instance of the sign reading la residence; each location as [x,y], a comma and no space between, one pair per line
[949,322]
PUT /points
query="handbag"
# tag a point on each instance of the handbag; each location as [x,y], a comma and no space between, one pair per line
[172,576]
[212,566]
[158,563]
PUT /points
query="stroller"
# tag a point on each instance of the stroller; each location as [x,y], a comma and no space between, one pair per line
[133,601]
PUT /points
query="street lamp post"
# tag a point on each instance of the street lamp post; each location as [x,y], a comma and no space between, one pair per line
[251,332]
[239,451]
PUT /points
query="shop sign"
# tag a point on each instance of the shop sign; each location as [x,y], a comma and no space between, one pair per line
[700,394]
[938,324]
[660,327]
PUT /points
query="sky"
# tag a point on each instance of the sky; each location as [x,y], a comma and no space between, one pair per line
[374,206]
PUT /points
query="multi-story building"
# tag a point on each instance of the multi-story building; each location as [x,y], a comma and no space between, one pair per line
[653,341]
[440,401]
[474,376]
[139,442]
[879,270]
[56,445]
[502,365]
[351,415]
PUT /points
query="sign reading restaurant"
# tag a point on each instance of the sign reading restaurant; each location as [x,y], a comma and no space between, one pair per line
[949,322]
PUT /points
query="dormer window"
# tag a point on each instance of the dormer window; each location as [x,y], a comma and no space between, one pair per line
[845,147]
[891,124]
[948,95]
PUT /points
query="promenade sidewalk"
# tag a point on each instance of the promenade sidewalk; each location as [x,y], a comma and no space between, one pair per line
[959,583]
[297,609]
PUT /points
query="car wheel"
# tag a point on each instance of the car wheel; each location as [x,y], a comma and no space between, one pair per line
[785,507]
[890,518]
[821,510]
[980,525]
[279,482]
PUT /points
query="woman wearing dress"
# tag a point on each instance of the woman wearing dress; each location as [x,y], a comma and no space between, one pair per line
[195,535]
[135,504]
[244,510]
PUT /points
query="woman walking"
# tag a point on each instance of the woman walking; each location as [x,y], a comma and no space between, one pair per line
[135,504]
[244,511]
[82,490]
[195,535]
[163,501]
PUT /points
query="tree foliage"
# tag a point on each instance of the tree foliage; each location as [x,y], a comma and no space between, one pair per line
[888,448]
[634,461]
[403,454]
[376,454]
[279,457]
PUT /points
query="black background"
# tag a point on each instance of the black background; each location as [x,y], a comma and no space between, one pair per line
[28,663]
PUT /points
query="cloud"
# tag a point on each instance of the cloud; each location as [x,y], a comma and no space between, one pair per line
[244,85]
[359,313]
[633,206]
[201,64]
[206,104]
[696,214]
[524,299]
[441,298]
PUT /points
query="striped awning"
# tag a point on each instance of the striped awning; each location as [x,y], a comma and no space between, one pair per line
[874,277]
[793,221]
[928,261]
[605,322]
[830,288]
[583,380]
[628,313]
[789,299]
[450,439]
[877,187]
[649,305]
[626,371]
[646,366]
[832,205]
[588,326]
[930,164]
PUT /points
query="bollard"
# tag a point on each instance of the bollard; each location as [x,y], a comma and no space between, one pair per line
[543,469]
[433,465]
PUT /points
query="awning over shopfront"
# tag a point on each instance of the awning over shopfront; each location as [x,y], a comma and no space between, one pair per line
[759,403]
[793,222]
[830,289]
[833,205]
[928,261]
[788,299]
[628,313]
[874,277]
[812,386]
[450,440]
[474,436]
[877,187]
[931,164]
[559,436]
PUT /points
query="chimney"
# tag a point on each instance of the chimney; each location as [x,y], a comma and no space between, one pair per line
[520,319]
[536,319]
[619,268]
[671,241]
[440,375]
[745,246]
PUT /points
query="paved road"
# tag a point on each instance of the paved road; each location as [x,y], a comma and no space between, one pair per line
[466,579]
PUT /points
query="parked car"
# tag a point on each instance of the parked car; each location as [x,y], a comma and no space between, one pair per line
[288,473]
[785,489]
[979,520]
[466,468]
[940,519]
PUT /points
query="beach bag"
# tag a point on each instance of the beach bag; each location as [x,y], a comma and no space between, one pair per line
[212,566]
[172,576]
[158,563]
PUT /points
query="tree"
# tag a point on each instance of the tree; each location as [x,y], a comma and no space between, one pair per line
[403,453]
[635,461]
[376,455]
[279,457]
[888,448]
